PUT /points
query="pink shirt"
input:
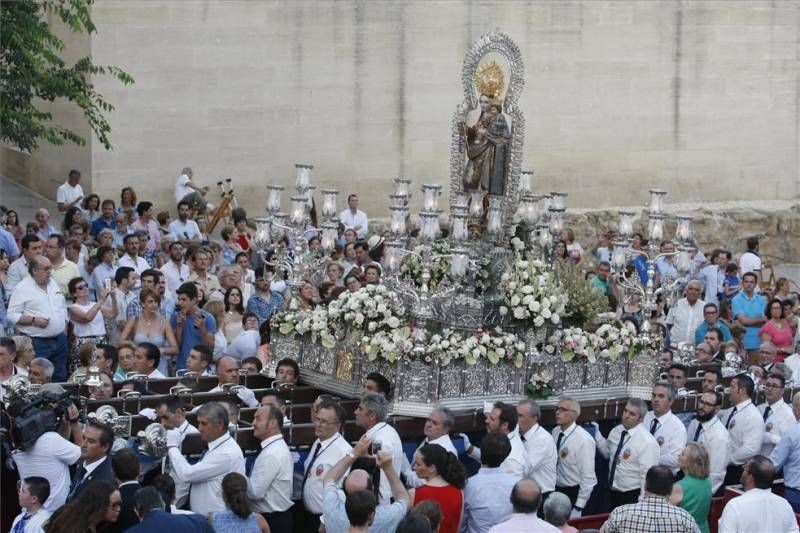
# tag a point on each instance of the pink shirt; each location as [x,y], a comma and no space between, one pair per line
[152,229]
[781,338]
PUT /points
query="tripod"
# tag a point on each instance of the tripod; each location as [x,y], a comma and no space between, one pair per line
[225,207]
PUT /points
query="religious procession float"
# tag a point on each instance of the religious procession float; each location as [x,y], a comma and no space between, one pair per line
[480,308]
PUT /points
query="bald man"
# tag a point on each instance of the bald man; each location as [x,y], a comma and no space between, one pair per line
[387,517]
[228,372]
[525,500]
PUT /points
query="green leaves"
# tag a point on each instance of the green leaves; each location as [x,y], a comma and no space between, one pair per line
[32,69]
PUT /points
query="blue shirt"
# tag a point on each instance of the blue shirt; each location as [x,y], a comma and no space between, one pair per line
[702,329]
[387,517]
[640,264]
[190,335]
[263,308]
[487,500]
[9,244]
[787,455]
[752,308]
[666,268]
[100,224]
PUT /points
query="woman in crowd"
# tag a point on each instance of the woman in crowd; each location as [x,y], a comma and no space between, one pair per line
[305,296]
[163,219]
[574,248]
[777,330]
[91,208]
[216,308]
[87,318]
[334,272]
[263,350]
[94,510]
[73,216]
[127,203]
[85,353]
[445,478]
[125,351]
[243,236]
[25,352]
[231,247]
[4,295]
[151,327]
[560,253]
[631,309]
[350,260]
[694,492]
[238,516]
[788,312]
[234,312]
[557,509]
[783,290]
[13,225]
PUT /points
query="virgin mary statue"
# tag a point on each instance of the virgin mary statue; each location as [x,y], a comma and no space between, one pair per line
[489,138]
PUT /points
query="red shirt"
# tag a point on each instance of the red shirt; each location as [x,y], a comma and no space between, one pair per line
[449,498]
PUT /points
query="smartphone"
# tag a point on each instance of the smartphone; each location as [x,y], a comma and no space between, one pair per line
[107,284]
[374,448]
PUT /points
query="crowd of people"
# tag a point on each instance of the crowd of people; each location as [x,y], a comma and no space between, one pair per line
[130,291]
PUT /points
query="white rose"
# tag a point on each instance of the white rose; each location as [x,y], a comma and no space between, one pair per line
[534,306]
[555,319]
[372,326]
[527,289]
[519,313]
[393,322]
[503,310]
[515,301]
[538,321]
[546,313]
[359,319]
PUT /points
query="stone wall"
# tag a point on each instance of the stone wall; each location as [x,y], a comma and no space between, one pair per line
[698,98]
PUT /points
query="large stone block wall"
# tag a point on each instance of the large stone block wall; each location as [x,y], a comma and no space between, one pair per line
[699,98]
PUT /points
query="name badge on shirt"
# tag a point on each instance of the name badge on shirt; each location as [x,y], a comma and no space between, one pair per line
[564,453]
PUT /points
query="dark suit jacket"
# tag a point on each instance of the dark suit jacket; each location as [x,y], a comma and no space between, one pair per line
[103,471]
[160,522]
[127,516]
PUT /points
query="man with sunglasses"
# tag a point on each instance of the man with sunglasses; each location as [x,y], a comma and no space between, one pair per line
[708,430]
[777,414]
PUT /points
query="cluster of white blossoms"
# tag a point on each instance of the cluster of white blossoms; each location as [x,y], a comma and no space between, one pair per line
[493,345]
[296,321]
[370,309]
[609,341]
[531,293]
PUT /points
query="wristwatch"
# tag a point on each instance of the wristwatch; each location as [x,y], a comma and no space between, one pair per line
[351,455]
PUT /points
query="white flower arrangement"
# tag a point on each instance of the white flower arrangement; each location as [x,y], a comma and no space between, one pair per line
[539,387]
[609,341]
[296,321]
[389,345]
[411,266]
[370,309]
[531,294]
[493,345]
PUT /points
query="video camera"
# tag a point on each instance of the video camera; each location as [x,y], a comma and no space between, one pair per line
[25,419]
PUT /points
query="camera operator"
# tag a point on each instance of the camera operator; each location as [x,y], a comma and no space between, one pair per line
[52,454]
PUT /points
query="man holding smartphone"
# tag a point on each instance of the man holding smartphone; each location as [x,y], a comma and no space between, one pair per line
[191,324]
[371,416]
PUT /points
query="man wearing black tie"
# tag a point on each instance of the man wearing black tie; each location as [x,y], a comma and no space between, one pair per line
[95,462]
[706,429]
[744,424]
[327,450]
[631,451]
[269,486]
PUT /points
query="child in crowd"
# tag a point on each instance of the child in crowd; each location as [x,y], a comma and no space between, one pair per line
[731,284]
[32,493]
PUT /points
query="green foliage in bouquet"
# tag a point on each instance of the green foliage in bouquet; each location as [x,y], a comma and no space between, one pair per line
[584,302]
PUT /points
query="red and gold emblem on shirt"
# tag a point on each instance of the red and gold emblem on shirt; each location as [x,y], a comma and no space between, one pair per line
[564,453]
[319,470]
[769,427]
[626,455]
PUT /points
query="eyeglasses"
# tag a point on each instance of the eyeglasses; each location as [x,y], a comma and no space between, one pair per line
[773,386]
[559,408]
[81,287]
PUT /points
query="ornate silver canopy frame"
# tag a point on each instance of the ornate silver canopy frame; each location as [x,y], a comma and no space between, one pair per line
[502,44]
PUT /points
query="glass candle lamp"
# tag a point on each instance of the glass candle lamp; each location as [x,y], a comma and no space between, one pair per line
[558,200]
[298,212]
[393,257]
[683,231]
[657,201]
[544,237]
[398,221]
[261,239]
[655,227]
[526,181]
[494,223]
[429,225]
[329,202]
[458,221]
[274,198]
[430,197]
[303,176]
[476,204]
[402,186]
[328,239]
[556,221]
[619,256]
[458,263]
[626,224]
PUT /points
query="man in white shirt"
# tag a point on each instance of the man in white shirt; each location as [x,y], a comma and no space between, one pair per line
[146,359]
[686,315]
[42,217]
[172,415]
[668,430]
[328,449]
[745,426]
[758,509]
[503,419]
[175,270]
[38,309]
[540,448]
[52,455]
[63,269]
[69,193]
[184,230]
[525,499]
[131,257]
[631,451]
[575,474]
[371,416]
[270,485]
[223,456]
[353,218]
[185,189]
[707,430]
[437,429]
[31,246]
[750,261]
[776,413]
